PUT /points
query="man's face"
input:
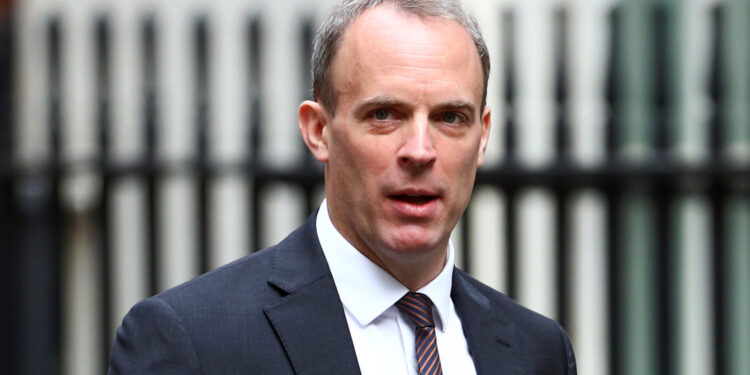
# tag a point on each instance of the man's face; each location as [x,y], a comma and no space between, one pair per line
[408,134]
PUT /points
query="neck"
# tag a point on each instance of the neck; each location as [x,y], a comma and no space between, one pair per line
[414,272]
[414,268]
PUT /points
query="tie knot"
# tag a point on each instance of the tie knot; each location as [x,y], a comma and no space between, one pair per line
[418,308]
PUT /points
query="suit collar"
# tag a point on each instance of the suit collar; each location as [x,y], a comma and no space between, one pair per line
[298,260]
[309,319]
[490,337]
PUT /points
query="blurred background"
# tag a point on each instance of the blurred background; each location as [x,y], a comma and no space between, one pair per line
[144,142]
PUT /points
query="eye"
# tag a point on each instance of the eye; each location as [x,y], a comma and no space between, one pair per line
[451,117]
[381,114]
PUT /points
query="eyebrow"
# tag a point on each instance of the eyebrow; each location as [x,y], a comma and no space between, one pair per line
[387,101]
[459,105]
[379,101]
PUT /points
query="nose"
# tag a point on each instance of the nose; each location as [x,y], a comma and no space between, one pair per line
[417,149]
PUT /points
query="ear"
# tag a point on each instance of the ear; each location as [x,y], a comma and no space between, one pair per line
[313,120]
[486,120]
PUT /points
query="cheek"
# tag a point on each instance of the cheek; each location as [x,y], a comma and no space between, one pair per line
[460,169]
[460,157]
[358,159]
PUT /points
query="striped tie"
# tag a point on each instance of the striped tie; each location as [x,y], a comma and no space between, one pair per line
[418,308]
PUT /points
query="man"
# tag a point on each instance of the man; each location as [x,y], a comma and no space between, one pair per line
[367,285]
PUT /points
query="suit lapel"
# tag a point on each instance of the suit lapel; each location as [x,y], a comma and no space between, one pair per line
[309,320]
[310,323]
[489,336]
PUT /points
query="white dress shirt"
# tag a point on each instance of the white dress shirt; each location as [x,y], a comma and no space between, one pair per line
[383,337]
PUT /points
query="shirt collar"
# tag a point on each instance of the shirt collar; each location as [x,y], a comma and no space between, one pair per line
[367,290]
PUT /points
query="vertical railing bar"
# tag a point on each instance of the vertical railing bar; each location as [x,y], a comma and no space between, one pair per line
[8,274]
[202,106]
[511,240]
[665,223]
[561,83]
[716,83]
[510,77]
[562,130]
[254,48]
[613,85]
[103,93]
[55,122]
[6,91]
[150,92]
[9,217]
[563,218]
[665,229]
[662,75]
[258,183]
[54,93]
[613,96]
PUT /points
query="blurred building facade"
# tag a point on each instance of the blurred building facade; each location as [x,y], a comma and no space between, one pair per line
[144,142]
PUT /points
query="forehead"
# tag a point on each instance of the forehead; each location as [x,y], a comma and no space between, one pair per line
[385,44]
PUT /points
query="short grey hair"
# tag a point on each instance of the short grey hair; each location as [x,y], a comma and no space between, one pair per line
[329,36]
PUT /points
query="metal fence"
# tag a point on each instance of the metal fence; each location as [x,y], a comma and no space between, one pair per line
[150,142]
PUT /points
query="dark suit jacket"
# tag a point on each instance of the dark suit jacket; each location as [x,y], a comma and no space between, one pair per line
[278,312]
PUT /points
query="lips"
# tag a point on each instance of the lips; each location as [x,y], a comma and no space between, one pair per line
[414,203]
[414,199]
[414,195]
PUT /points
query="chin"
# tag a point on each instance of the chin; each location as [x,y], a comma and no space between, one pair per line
[414,243]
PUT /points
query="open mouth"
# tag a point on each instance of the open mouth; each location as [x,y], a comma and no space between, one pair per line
[414,199]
